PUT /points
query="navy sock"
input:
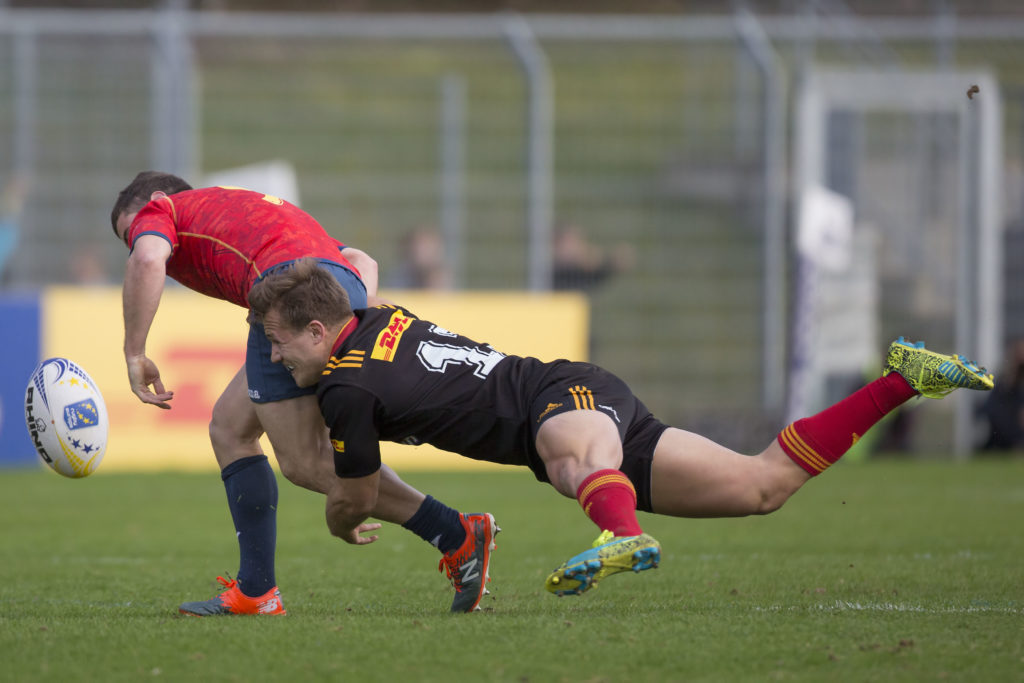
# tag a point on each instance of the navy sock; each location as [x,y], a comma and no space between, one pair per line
[438,525]
[252,497]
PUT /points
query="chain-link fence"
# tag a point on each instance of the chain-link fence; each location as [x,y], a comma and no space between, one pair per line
[662,142]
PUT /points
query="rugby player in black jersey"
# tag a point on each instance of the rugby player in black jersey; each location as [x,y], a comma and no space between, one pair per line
[384,374]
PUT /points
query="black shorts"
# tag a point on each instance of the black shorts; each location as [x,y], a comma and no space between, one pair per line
[583,386]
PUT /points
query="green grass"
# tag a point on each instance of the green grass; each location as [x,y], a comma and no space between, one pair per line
[888,571]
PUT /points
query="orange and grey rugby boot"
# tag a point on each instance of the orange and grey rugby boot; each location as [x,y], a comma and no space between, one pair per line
[468,566]
[934,375]
[609,555]
[234,601]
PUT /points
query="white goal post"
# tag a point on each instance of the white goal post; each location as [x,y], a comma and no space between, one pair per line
[977,285]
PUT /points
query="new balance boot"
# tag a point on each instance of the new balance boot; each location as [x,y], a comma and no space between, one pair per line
[233,601]
[468,566]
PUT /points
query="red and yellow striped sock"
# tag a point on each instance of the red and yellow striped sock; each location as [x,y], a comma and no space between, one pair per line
[816,442]
[609,499]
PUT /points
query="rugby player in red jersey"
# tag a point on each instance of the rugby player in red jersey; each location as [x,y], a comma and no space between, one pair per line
[382,373]
[220,242]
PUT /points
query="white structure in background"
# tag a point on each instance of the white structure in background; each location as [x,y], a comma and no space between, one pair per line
[974,236]
[275,177]
[836,306]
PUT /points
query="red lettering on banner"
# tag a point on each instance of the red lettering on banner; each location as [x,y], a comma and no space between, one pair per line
[198,375]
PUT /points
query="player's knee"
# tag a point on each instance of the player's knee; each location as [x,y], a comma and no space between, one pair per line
[773,496]
[222,435]
[562,472]
[301,476]
[293,469]
[769,503]
[773,486]
[300,467]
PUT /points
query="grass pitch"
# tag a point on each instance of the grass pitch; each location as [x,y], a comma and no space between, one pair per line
[895,571]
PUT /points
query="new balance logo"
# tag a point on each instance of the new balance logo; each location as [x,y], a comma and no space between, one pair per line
[467,570]
[269,607]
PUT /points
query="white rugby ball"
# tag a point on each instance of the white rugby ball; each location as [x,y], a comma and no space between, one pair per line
[66,417]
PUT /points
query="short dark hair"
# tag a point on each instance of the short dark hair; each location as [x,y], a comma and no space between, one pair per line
[138,192]
[301,291]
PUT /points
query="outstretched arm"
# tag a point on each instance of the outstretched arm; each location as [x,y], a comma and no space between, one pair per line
[144,278]
[353,489]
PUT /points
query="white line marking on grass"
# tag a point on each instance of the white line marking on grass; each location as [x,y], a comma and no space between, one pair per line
[845,606]
[80,559]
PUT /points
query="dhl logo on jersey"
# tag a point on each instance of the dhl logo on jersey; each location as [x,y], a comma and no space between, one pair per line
[387,340]
[339,445]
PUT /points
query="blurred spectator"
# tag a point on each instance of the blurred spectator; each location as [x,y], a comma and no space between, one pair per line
[580,264]
[87,266]
[424,262]
[1003,408]
[12,199]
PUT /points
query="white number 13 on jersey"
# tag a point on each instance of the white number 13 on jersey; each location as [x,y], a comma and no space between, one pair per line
[437,357]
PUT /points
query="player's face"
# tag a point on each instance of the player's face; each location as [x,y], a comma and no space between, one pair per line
[124,221]
[300,351]
[124,224]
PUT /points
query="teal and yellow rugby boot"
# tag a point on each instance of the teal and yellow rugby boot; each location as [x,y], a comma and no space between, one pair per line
[934,375]
[609,555]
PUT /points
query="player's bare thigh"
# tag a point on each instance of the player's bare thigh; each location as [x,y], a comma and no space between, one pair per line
[575,444]
[298,435]
[692,476]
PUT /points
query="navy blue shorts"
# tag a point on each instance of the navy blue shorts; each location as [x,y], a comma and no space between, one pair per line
[270,381]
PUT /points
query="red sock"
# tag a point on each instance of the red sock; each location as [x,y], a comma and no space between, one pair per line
[816,442]
[609,499]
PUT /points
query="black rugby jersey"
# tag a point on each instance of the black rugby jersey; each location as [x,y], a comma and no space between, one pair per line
[399,378]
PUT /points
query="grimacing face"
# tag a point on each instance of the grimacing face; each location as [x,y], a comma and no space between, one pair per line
[303,352]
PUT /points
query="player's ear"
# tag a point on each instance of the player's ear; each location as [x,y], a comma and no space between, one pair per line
[317,329]
[159,194]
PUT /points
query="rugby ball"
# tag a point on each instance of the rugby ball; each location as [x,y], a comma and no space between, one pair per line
[66,417]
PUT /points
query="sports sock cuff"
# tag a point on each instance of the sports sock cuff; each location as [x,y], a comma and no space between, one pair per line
[240,464]
[437,524]
[600,480]
[802,449]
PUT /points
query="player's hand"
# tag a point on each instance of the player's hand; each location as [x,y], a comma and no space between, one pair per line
[143,373]
[355,537]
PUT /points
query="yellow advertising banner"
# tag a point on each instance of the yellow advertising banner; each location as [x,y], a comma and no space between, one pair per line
[198,343]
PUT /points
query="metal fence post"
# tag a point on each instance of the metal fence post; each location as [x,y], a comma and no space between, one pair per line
[173,138]
[773,172]
[540,150]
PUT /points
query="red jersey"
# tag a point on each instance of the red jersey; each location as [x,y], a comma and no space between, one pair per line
[223,239]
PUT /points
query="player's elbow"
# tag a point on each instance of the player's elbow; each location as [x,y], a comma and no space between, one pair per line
[364,263]
[348,504]
[144,261]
